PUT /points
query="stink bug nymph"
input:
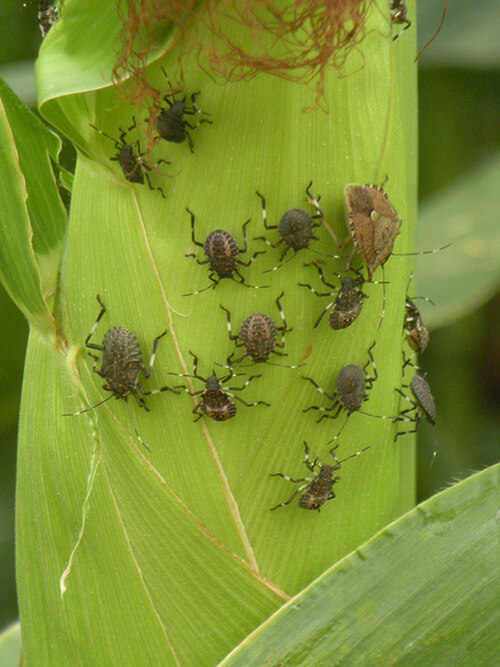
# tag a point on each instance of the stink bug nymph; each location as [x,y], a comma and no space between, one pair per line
[318,489]
[130,158]
[346,307]
[222,254]
[215,399]
[422,405]
[257,335]
[399,14]
[121,365]
[171,123]
[416,333]
[295,229]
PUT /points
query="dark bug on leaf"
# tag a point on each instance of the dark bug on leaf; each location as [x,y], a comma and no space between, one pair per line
[346,307]
[422,406]
[222,254]
[352,384]
[121,365]
[257,335]
[295,229]
[399,15]
[416,333]
[215,399]
[171,123]
[318,489]
[130,158]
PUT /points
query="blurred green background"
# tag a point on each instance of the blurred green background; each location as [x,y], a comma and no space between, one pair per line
[459,89]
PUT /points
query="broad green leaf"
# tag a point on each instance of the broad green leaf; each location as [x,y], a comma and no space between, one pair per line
[468,37]
[32,217]
[468,273]
[206,480]
[10,646]
[423,591]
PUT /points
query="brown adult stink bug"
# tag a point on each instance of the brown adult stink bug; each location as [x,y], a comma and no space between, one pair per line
[121,365]
[373,223]
[319,489]
[215,399]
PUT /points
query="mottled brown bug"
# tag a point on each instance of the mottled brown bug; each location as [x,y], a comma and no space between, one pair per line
[399,14]
[422,405]
[319,489]
[348,302]
[416,333]
[257,335]
[48,14]
[171,123]
[373,223]
[215,399]
[222,254]
[121,365]
[295,229]
[130,158]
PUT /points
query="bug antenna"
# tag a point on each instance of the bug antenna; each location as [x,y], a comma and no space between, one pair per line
[352,456]
[135,428]
[341,429]
[383,299]
[81,412]
[422,252]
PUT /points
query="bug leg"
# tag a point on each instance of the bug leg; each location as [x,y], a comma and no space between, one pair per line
[147,372]
[94,346]
[264,212]
[192,229]
[215,282]
[320,389]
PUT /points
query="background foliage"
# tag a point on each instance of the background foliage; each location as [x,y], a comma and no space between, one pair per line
[457,136]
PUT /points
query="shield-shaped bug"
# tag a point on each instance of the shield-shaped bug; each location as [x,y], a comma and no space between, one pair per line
[346,307]
[215,399]
[318,489]
[171,123]
[399,14]
[130,158]
[222,254]
[295,229]
[373,223]
[121,365]
[257,335]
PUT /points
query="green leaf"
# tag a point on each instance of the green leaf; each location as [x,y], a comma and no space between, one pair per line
[468,273]
[423,591]
[179,543]
[32,217]
[10,646]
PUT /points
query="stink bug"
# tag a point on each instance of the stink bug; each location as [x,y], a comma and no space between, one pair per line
[130,158]
[171,124]
[422,405]
[258,333]
[295,229]
[48,14]
[215,399]
[222,254]
[399,14]
[416,333]
[348,302]
[121,366]
[318,489]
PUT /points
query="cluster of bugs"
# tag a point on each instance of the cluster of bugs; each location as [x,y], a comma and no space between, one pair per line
[373,225]
[171,126]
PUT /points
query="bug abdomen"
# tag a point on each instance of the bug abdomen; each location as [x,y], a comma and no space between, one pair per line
[222,252]
[121,361]
[258,334]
